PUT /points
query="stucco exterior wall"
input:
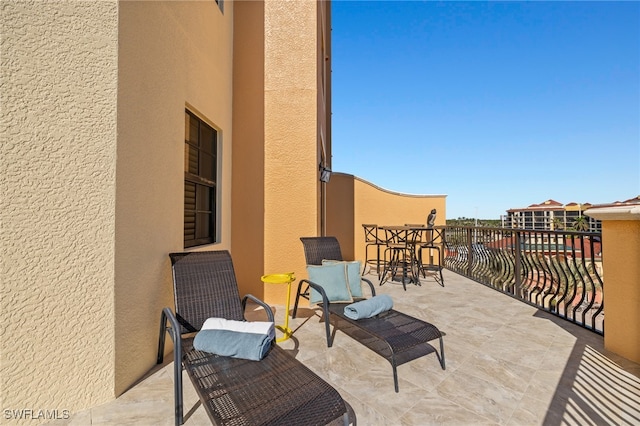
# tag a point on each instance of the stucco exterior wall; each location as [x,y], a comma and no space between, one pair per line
[373,205]
[291,207]
[172,55]
[247,236]
[621,266]
[94,95]
[58,204]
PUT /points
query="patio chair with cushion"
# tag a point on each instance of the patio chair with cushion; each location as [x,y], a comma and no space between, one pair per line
[396,336]
[275,390]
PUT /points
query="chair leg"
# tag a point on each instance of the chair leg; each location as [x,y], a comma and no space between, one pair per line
[370,262]
[395,374]
[327,325]
[366,259]
[173,330]
[405,276]
[161,338]
[391,266]
[177,387]
[385,269]
[441,357]
[378,260]
[440,262]
[295,305]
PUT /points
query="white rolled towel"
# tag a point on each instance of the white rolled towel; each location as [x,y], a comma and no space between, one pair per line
[256,327]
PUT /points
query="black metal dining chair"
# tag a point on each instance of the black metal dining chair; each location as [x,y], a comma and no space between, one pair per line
[431,242]
[372,239]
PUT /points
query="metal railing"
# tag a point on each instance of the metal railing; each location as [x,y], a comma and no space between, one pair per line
[558,271]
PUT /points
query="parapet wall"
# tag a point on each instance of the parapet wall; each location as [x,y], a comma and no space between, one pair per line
[352,202]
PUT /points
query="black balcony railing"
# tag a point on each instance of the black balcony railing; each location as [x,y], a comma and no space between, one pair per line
[558,271]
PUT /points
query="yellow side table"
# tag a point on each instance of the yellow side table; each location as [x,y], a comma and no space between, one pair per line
[287,278]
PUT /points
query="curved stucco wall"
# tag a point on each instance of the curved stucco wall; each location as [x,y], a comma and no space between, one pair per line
[58,151]
[372,204]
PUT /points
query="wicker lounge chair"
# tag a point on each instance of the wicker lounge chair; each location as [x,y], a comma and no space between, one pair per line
[277,390]
[397,337]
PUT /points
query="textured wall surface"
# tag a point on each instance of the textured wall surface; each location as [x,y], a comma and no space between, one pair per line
[291,136]
[58,153]
[172,55]
[247,234]
[374,205]
[621,265]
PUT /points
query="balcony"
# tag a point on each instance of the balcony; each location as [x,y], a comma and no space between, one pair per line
[508,363]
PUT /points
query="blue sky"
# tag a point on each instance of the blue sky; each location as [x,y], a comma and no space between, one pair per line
[495,104]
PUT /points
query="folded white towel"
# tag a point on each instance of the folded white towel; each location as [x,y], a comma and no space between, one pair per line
[256,327]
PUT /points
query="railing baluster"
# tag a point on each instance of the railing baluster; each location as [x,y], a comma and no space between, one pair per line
[469,252]
[541,268]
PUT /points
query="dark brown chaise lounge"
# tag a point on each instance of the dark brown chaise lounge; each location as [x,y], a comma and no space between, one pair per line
[277,390]
[397,337]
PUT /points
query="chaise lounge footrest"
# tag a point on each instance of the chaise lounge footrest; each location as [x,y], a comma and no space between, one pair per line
[397,337]
[278,390]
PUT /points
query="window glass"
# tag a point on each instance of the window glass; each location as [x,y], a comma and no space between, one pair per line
[200,181]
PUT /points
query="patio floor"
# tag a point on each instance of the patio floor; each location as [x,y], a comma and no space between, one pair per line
[507,364]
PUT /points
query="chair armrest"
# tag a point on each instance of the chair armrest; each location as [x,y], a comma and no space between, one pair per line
[325,306]
[371,287]
[306,293]
[325,299]
[173,328]
[316,287]
[319,289]
[266,307]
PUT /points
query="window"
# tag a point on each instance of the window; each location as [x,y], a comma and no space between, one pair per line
[200,176]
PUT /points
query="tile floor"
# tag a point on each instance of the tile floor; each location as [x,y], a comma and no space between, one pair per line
[507,364]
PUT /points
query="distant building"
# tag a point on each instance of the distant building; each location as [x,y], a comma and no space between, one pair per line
[553,215]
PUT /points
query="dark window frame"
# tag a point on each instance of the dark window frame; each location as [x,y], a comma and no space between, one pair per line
[200,181]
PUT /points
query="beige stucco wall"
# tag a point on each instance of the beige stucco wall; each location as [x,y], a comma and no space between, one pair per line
[93,146]
[291,208]
[58,204]
[373,205]
[621,266]
[172,55]
[247,228]
[93,104]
